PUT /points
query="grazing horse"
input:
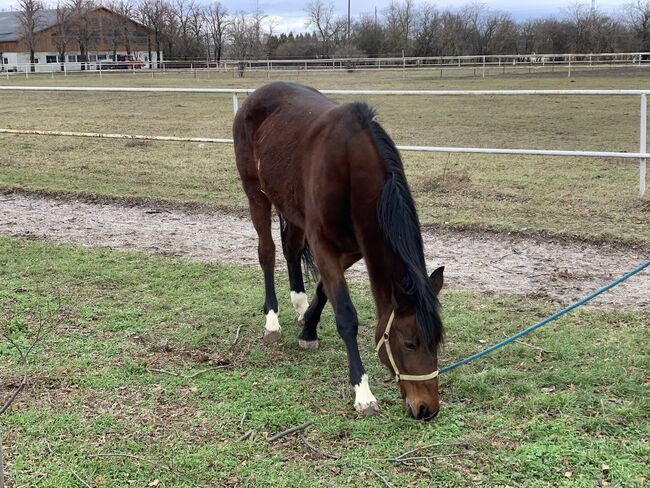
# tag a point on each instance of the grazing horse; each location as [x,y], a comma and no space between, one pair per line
[337,182]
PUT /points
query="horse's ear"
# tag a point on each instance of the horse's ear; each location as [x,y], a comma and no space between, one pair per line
[437,279]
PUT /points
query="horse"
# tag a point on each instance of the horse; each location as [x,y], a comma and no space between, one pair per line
[337,182]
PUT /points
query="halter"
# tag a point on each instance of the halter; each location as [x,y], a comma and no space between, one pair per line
[385,342]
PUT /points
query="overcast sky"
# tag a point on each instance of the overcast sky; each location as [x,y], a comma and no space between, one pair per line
[290,13]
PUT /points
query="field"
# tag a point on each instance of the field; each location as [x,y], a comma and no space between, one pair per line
[595,199]
[150,370]
[522,417]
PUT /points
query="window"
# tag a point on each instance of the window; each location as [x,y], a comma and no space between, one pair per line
[92,57]
[35,60]
[6,61]
[101,57]
[50,59]
[72,58]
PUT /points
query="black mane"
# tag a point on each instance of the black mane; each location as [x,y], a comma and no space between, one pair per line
[399,221]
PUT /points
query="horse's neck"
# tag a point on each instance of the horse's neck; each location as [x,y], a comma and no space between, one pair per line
[385,271]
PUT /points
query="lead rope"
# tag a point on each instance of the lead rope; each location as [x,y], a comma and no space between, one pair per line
[384,341]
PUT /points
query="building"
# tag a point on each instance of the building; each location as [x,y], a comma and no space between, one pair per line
[112,38]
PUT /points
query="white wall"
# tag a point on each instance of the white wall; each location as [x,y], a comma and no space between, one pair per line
[20,61]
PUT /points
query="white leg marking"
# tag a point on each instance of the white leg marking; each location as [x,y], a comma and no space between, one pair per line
[272,329]
[364,400]
[300,303]
[272,322]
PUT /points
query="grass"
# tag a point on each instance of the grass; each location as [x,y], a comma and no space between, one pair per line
[519,417]
[593,199]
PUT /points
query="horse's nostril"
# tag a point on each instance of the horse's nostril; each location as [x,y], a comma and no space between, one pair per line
[424,413]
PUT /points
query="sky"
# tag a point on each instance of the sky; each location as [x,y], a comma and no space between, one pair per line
[289,14]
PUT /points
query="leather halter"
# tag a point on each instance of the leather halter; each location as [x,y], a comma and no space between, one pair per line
[385,342]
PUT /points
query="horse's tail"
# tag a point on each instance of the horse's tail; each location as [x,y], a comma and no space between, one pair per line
[307,256]
[401,228]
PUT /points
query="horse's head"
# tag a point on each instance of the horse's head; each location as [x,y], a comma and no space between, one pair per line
[411,359]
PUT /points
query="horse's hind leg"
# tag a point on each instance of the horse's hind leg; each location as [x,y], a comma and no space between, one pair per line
[293,242]
[260,209]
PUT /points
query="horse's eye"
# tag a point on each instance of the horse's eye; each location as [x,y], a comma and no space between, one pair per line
[408,344]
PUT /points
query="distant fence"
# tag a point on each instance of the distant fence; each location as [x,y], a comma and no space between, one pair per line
[480,65]
[642,155]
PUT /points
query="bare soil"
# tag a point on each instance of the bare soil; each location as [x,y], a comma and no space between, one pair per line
[562,271]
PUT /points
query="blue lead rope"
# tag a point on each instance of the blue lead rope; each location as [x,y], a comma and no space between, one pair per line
[556,315]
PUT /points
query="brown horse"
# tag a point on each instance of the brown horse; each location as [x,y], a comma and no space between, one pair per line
[337,181]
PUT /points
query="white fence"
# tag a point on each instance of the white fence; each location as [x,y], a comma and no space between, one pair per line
[479,64]
[642,155]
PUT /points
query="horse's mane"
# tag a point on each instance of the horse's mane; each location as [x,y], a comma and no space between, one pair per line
[401,227]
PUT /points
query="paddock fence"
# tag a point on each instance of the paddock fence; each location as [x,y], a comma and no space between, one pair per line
[477,65]
[642,155]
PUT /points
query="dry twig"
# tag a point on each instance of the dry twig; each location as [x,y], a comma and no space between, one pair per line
[298,428]
[236,337]
[246,435]
[186,377]
[72,471]
[316,450]
[386,482]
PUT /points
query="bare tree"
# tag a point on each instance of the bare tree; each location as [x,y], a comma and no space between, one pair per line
[84,27]
[121,26]
[242,32]
[30,16]
[321,16]
[62,32]
[217,20]
[638,19]
[400,20]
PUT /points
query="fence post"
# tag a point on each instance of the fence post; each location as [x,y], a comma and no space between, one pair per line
[642,145]
[235,103]
[569,66]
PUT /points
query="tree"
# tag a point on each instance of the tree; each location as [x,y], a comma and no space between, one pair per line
[30,16]
[638,19]
[217,20]
[62,32]
[321,16]
[84,27]
[400,17]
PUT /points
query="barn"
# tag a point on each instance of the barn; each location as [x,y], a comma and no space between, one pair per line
[108,37]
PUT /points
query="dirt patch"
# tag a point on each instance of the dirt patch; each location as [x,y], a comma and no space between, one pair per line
[561,271]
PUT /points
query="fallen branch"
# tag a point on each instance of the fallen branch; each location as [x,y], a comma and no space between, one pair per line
[72,471]
[185,377]
[236,337]
[298,428]
[241,422]
[164,371]
[23,361]
[404,456]
[315,449]
[385,481]
[246,435]
[157,464]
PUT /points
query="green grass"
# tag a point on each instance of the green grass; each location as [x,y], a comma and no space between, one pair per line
[111,317]
[594,199]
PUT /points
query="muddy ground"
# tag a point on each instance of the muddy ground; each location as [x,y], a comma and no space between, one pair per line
[562,271]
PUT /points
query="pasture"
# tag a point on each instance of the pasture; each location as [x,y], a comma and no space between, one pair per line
[114,322]
[151,370]
[594,199]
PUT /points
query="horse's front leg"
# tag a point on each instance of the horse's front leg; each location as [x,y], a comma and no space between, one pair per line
[347,325]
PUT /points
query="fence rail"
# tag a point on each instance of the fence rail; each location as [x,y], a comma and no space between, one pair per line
[642,155]
[487,63]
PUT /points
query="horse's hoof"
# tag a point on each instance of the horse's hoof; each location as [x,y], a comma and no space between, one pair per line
[271,336]
[309,345]
[367,409]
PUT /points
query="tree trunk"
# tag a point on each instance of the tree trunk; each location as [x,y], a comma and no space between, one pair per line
[149,47]
[32,60]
